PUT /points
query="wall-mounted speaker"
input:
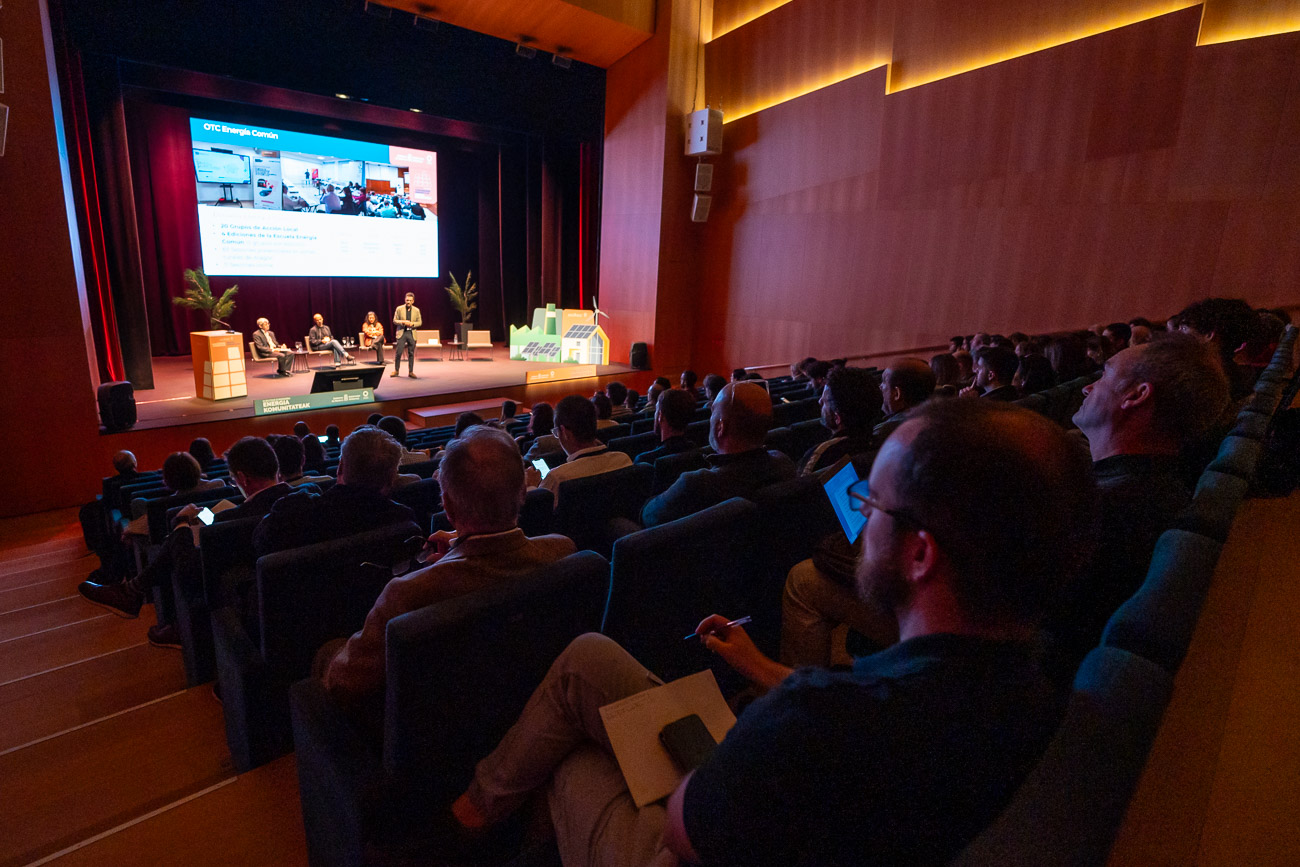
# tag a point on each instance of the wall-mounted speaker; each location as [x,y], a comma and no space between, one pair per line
[640,357]
[116,406]
[703,178]
[704,132]
[700,208]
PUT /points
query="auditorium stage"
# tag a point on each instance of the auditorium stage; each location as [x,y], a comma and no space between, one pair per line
[172,401]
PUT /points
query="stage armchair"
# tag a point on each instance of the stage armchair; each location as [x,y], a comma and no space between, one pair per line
[479,340]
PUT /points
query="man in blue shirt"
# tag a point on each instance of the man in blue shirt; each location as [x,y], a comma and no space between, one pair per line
[977,512]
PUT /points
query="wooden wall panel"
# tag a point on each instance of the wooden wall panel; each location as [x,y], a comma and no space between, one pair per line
[1227,20]
[730,14]
[1035,193]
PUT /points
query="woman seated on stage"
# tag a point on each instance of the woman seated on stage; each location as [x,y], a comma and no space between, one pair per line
[372,335]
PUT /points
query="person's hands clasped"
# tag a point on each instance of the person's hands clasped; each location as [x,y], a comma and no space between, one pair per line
[735,646]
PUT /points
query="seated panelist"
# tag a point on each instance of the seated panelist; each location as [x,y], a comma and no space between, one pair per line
[372,336]
[265,345]
[320,338]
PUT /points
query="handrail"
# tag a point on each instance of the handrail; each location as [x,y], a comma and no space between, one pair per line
[891,353]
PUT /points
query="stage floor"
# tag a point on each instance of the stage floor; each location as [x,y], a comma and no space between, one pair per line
[172,400]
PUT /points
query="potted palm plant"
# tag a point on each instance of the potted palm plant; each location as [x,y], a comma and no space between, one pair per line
[198,296]
[464,300]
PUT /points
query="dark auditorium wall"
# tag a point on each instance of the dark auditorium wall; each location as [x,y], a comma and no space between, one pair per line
[46,381]
[1126,173]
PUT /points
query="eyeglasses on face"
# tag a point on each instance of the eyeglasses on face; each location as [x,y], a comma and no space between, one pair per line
[861,499]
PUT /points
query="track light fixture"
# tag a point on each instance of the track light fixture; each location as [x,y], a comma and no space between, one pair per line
[378,11]
[524,47]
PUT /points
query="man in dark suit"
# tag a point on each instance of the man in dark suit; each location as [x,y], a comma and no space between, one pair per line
[673,413]
[266,346]
[406,319]
[358,502]
[995,367]
[738,425]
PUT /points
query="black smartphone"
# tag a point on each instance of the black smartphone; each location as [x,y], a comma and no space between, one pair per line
[688,741]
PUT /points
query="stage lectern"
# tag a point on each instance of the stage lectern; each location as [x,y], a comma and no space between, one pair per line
[218,364]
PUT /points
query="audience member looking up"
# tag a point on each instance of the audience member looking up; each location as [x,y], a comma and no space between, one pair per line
[482,482]
[672,415]
[356,503]
[952,718]
[995,367]
[575,428]
[738,424]
[688,381]
[849,409]
[1151,403]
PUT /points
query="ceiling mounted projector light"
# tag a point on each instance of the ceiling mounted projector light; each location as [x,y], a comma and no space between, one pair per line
[378,11]
[342,96]
[424,23]
[418,110]
[561,57]
[524,47]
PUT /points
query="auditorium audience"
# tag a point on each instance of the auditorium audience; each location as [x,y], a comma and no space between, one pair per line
[301,429]
[357,502]
[1139,334]
[849,409]
[396,428]
[1118,333]
[313,451]
[1227,324]
[1152,401]
[124,465]
[688,380]
[738,425]
[482,484]
[604,411]
[291,456]
[201,450]
[673,414]
[902,760]
[1033,374]
[945,370]
[539,440]
[713,384]
[631,403]
[817,373]
[965,368]
[575,428]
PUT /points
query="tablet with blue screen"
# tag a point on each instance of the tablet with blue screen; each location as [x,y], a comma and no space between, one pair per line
[838,490]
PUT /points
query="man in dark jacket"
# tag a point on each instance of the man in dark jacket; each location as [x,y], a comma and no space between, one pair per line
[672,414]
[741,417]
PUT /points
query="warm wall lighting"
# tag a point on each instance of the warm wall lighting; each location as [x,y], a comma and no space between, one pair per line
[758,11]
[1237,25]
[804,90]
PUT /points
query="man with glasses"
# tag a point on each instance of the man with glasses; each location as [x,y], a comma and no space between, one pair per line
[976,512]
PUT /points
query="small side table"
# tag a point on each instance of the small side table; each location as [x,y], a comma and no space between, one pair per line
[300,364]
[457,350]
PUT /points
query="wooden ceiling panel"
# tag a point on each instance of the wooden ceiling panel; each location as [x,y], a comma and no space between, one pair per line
[598,32]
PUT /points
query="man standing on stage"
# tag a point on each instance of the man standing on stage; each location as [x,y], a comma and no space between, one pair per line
[406,319]
[265,346]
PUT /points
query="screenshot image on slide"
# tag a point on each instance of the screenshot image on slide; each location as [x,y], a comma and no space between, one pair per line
[275,202]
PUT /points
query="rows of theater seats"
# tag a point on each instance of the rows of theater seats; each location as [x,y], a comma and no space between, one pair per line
[458,673]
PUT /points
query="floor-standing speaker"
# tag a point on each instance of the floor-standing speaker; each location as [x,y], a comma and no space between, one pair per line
[640,359]
[116,406]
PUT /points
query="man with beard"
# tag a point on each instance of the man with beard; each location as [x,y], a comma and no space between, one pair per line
[977,512]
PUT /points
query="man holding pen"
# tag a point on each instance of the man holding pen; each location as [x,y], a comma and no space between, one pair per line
[902,760]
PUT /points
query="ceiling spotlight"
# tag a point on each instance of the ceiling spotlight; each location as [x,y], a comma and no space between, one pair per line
[418,110]
[524,48]
[563,61]
[342,96]
[423,23]
[378,11]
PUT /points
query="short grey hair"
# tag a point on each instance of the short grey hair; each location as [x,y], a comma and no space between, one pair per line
[482,473]
[1189,388]
[368,458]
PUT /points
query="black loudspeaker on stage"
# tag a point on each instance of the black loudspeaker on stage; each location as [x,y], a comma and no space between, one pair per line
[348,378]
[640,357]
[116,406]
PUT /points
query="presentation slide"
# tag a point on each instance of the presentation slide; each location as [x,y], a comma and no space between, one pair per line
[274,202]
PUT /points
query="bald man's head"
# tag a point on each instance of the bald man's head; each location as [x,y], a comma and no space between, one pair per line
[906,383]
[741,417]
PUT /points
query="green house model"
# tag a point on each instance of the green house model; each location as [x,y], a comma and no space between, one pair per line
[560,336]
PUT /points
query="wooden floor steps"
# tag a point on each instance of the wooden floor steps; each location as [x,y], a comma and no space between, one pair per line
[252,819]
[62,790]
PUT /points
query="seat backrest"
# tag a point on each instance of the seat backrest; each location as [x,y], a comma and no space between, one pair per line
[478,338]
[606,434]
[1068,810]
[458,673]
[157,508]
[1251,425]
[586,504]
[307,596]
[666,579]
[423,497]
[634,444]
[781,439]
[669,467]
[537,514]
[1237,456]
[227,558]
[1214,505]
[1158,620]
[786,414]
[427,337]
[806,434]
